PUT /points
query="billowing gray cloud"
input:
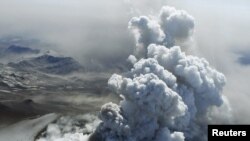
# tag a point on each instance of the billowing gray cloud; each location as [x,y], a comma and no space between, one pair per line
[166,92]
[176,24]
[163,96]
[170,27]
[146,31]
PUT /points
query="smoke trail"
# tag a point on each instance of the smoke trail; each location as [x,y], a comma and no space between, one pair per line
[167,95]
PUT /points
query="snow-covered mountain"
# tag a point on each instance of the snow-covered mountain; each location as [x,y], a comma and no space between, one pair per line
[39,71]
[28,59]
[48,63]
[11,79]
[27,68]
[15,79]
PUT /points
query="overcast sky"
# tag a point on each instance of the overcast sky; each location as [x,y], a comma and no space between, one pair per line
[98,29]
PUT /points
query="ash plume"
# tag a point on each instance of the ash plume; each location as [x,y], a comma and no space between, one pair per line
[167,95]
[169,27]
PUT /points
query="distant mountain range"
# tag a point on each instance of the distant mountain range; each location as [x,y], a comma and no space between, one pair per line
[15,49]
[22,67]
[49,64]
[28,59]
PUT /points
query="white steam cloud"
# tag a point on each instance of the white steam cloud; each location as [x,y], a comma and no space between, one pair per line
[167,95]
[68,128]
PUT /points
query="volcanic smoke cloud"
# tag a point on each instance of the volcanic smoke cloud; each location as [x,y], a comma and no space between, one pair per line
[167,94]
[170,27]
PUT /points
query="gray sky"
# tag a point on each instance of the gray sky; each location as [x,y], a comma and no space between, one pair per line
[76,27]
[98,29]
